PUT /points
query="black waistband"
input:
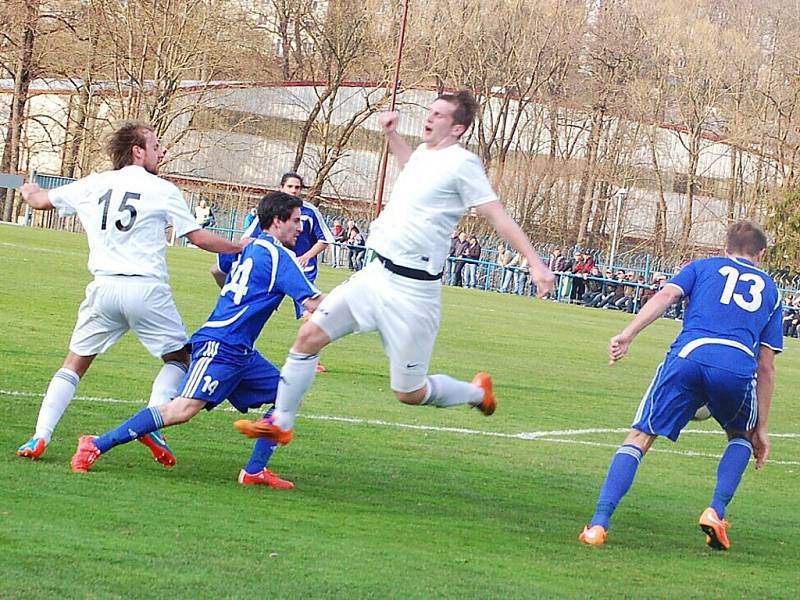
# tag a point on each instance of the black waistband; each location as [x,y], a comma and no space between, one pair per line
[418,274]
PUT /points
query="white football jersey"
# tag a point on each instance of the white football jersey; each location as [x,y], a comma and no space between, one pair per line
[125,214]
[431,194]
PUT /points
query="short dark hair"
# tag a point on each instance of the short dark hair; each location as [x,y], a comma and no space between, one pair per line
[276,204]
[120,143]
[745,237]
[291,175]
[466,107]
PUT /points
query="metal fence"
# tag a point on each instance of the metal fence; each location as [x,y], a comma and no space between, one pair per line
[229,223]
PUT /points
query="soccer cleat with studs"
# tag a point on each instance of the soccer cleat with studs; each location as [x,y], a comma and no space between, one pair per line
[715,529]
[265,477]
[594,536]
[159,448]
[263,428]
[86,454]
[489,403]
[33,448]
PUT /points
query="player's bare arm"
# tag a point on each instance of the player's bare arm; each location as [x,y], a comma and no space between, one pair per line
[213,243]
[509,230]
[35,196]
[655,307]
[312,252]
[765,382]
[398,146]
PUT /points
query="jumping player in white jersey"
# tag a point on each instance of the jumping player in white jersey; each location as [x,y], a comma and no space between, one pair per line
[724,357]
[399,293]
[125,213]
[225,364]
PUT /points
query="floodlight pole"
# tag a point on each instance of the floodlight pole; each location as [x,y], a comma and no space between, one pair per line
[620,195]
[392,103]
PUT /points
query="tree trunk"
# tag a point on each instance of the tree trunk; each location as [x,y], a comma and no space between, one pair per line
[22,81]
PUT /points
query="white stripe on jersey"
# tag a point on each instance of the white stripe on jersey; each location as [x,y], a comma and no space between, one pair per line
[226,322]
[327,236]
[273,251]
[694,344]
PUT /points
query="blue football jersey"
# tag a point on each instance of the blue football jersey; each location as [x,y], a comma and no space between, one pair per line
[264,274]
[226,262]
[734,308]
[314,230]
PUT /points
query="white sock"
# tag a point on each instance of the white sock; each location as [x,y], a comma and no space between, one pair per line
[165,385]
[445,391]
[56,400]
[297,375]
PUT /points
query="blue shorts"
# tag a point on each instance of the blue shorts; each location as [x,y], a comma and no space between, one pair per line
[219,373]
[681,386]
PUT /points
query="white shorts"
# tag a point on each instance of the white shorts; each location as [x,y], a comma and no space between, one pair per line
[404,311]
[113,305]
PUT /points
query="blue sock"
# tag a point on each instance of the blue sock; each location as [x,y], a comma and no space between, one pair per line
[262,452]
[145,421]
[729,473]
[618,481]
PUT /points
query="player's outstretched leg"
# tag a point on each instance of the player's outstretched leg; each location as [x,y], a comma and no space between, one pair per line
[618,481]
[58,396]
[255,472]
[90,447]
[444,391]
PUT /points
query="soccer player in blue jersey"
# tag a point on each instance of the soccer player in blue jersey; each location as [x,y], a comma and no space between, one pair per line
[225,364]
[312,241]
[724,358]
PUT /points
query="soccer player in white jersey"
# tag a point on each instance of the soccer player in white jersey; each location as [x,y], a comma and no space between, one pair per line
[398,294]
[225,364]
[724,358]
[124,212]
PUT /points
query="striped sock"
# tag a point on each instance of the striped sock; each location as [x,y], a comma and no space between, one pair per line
[145,421]
[56,400]
[729,473]
[618,481]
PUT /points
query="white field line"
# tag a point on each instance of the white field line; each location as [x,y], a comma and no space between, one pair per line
[554,436]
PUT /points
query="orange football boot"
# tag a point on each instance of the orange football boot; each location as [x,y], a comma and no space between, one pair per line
[714,528]
[263,428]
[489,403]
[594,536]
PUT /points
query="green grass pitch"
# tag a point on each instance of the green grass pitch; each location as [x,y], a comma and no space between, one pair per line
[391,501]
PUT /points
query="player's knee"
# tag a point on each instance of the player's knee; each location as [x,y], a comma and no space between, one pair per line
[179,410]
[181,356]
[415,397]
[745,435]
[640,439]
[310,339]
